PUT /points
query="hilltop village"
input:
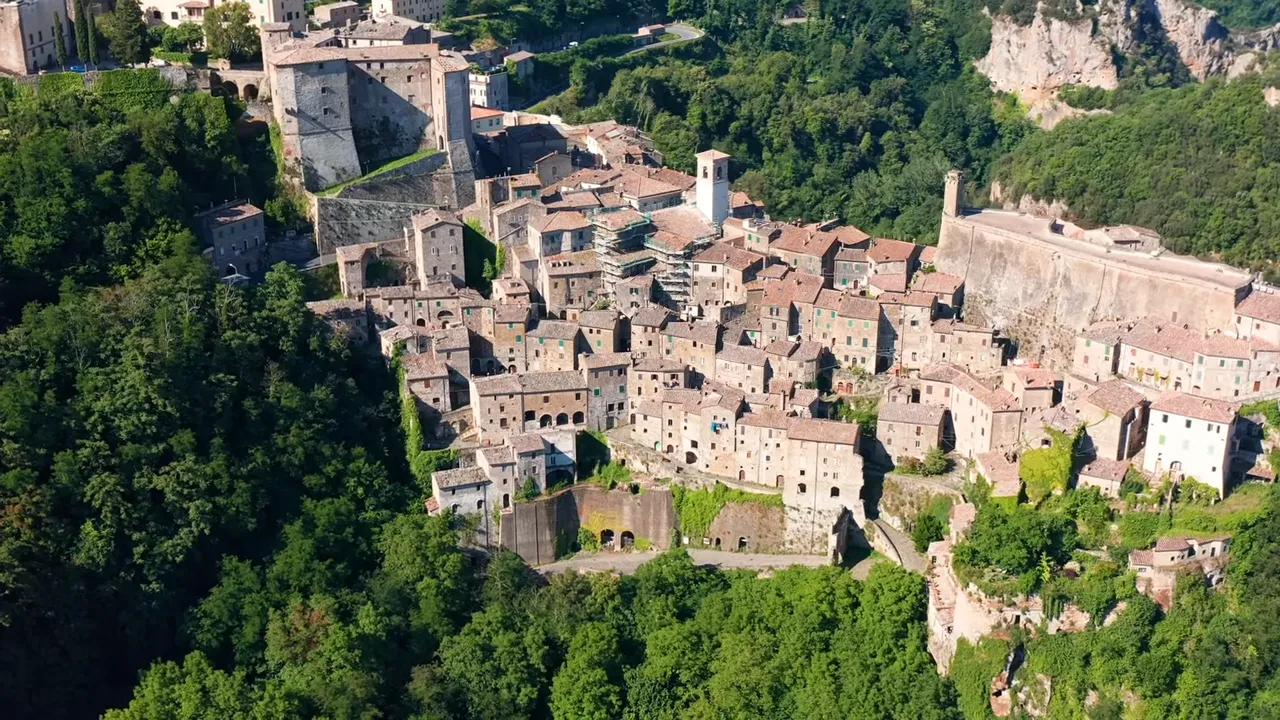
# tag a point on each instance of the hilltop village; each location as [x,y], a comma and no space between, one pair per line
[711,345]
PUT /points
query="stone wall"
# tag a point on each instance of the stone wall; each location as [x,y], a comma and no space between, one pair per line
[342,221]
[531,529]
[906,496]
[1041,294]
[314,111]
[763,527]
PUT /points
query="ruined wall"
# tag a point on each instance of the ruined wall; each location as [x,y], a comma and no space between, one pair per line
[905,496]
[343,221]
[531,529]
[1041,295]
[763,527]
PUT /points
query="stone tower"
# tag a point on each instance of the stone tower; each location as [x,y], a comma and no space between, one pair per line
[713,185]
[953,197]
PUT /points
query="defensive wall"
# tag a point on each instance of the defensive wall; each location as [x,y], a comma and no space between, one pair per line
[1040,287]
[532,529]
[904,497]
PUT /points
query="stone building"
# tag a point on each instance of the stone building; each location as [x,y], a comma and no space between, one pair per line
[893,257]
[560,232]
[602,330]
[234,236]
[553,345]
[262,15]
[461,490]
[348,318]
[693,343]
[971,347]
[341,108]
[510,404]
[335,14]
[428,381]
[1158,568]
[510,327]
[606,375]
[1257,317]
[1191,437]
[489,89]
[28,35]
[646,331]
[438,248]
[743,367]
[947,288]
[852,269]
[794,362]
[983,418]
[569,281]
[650,376]
[909,429]
[1104,474]
[423,11]
[1115,419]
[1033,388]
[721,273]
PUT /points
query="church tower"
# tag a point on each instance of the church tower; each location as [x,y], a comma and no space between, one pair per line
[713,185]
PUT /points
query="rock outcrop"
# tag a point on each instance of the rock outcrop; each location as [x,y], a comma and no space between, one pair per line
[1036,60]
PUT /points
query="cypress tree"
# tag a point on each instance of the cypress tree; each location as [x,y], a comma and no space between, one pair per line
[60,39]
[92,32]
[82,31]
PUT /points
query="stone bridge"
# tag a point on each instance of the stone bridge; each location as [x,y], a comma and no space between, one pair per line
[247,83]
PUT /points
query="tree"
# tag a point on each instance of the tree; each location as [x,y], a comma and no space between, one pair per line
[935,462]
[126,33]
[59,37]
[588,687]
[82,31]
[229,31]
[928,529]
[187,36]
[91,33]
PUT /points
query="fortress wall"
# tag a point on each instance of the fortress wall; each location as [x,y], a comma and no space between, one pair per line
[315,126]
[1042,294]
[531,529]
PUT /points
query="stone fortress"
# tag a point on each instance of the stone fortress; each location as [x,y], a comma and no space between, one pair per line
[342,106]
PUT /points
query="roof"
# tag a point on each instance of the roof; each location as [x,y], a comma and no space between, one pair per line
[458,477]
[728,255]
[1171,544]
[928,254]
[742,354]
[768,418]
[1034,377]
[555,381]
[520,56]
[600,360]
[1109,331]
[640,186]
[230,213]
[683,221]
[651,317]
[1192,406]
[1104,469]
[807,350]
[454,338]
[947,327]
[645,406]
[336,308]
[913,413]
[891,250]
[555,330]
[1115,397]
[705,154]
[806,396]
[525,443]
[646,363]
[618,219]
[579,263]
[512,285]
[560,221]
[781,348]
[703,331]
[1001,473]
[995,399]
[854,306]
[432,217]
[936,282]
[803,241]
[1263,306]
[1223,346]
[511,313]
[851,255]
[795,287]
[498,455]
[823,431]
[889,282]
[604,319]
[479,113]
[1171,340]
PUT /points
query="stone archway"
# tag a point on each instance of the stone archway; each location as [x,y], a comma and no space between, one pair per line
[544,421]
[562,419]
[690,458]
[511,368]
[421,322]
[250,92]
[231,270]
[230,89]
[742,544]
[578,418]
[606,539]
[628,540]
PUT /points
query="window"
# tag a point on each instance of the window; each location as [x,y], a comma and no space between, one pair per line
[595,392]
[835,492]
[801,488]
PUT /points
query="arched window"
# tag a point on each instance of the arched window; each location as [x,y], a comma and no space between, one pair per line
[835,492]
[479,504]
[578,418]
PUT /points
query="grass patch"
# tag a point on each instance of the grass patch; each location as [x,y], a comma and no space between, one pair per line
[380,170]
[60,83]
[477,250]
[697,509]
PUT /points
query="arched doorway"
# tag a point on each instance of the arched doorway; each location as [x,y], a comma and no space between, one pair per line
[578,418]
[716,544]
[742,475]
[670,450]
[544,421]
[421,322]
[628,540]
[454,508]
[606,539]
[250,92]
[742,543]
[231,270]
[511,368]
[690,458]
[562,419]
[444,315]
[230,89]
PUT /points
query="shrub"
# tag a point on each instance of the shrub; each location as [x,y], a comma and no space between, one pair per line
[697,509]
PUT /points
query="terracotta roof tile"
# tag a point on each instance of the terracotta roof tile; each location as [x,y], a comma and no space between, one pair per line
[1115,397]
[1192,406]
[823,431]
[883,250]
[1260,306]
[913,413]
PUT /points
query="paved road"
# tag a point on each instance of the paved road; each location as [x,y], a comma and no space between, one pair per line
[628,562]
[686,33]
[911,559]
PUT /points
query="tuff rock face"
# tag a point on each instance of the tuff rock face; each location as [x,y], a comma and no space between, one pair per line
[1036,60]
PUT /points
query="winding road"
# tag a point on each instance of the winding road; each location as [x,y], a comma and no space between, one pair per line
[685,32]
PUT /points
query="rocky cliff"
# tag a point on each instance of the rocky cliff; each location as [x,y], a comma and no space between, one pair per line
[1036,60]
